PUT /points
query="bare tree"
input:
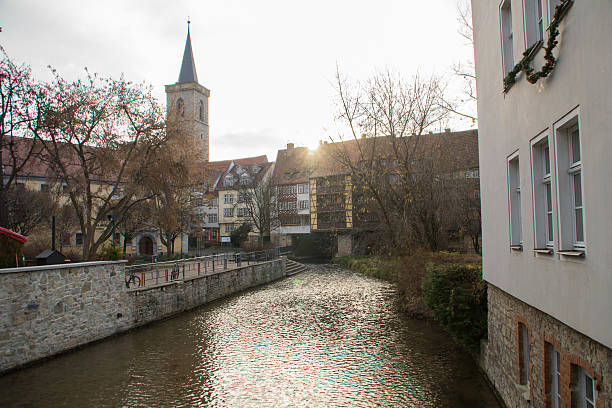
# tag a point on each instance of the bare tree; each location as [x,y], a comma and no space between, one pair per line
[18,113]
[465,105]
[258,204]
[28,209]
[388,119]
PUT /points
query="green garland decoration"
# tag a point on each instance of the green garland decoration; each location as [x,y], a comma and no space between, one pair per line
[551,61]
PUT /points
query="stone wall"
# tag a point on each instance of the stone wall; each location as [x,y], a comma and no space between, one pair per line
[501,354]
[48,310]
[150,304]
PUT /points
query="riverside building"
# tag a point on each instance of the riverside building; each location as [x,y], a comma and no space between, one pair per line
[545,182]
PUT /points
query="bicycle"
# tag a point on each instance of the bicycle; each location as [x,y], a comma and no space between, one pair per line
[133,280]
[175,272]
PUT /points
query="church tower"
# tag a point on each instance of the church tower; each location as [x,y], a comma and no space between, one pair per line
[187,100]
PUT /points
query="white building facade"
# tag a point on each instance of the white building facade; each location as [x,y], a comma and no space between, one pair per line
[545,186]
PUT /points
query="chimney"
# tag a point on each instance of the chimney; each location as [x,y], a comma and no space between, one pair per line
[289,146]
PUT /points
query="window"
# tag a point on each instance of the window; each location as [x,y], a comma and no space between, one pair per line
[20,186]
[553,376]
[229,228]
[569,183]
[534,25]
[245,180]
[243,212]
[303,204]
[524,348]
[228,198]
[477,194]
[552,5]
[292,205]
[66,239]
[514,201]
[212,218]
[228,212]
[78,239]
[116,238]
[228,181]
[202,111]
[473,174]
[505,13]
[180,107]
[44,188]
[65,189]
[542,193]
[256,169]
[584,393]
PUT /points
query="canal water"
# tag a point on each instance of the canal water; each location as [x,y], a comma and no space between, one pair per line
[328,337]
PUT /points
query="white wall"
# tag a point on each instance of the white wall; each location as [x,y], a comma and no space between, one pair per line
[576,291]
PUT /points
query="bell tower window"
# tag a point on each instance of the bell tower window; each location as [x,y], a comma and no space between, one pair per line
[180,107]
[202,111]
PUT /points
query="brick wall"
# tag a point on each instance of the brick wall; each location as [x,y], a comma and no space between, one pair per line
[503,349]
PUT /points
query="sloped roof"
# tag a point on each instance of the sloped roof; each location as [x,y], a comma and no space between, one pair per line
[247,164]
[188,70]
[293,165]
[461,148]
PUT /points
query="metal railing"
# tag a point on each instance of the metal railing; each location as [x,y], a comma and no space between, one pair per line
[157,273]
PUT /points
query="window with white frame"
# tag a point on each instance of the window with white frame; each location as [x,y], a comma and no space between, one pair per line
[212,217]
[507,36]
[584,393]
[228,198]
[570,184]
[533,22]
[542,193]
[514,200]
[228,212]
[229,227]
[303,204]
[554,375]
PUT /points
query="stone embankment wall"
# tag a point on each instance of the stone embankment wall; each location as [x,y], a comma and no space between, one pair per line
[50,309]
[501,354]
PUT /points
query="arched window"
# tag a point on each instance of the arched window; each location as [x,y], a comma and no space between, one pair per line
[180,107]
[202,111]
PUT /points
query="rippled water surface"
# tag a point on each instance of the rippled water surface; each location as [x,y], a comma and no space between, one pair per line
[323,338]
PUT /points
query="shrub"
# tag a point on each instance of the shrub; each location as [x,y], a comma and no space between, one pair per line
[457,295]
[111,253]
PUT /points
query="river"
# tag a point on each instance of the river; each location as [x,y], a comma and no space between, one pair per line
[327,337]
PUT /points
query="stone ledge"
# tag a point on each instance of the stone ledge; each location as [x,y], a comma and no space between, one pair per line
[60,266]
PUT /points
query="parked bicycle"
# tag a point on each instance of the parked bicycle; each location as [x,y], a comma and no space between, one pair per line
[132,281]
[175,272]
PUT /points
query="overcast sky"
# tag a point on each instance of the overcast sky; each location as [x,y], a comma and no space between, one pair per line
[270,64]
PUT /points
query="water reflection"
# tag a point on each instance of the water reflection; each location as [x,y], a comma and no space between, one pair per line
[327,337]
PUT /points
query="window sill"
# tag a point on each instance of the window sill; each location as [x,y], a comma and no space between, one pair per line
[517,248]
[525,391]
[543,251]
[577,253]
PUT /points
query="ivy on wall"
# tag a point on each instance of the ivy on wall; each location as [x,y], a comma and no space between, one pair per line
[551,61]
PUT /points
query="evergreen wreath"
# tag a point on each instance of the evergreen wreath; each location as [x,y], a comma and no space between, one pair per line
[551,61]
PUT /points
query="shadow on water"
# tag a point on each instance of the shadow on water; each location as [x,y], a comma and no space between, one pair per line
[324,338]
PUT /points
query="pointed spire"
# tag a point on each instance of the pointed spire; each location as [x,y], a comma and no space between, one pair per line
[188,70]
